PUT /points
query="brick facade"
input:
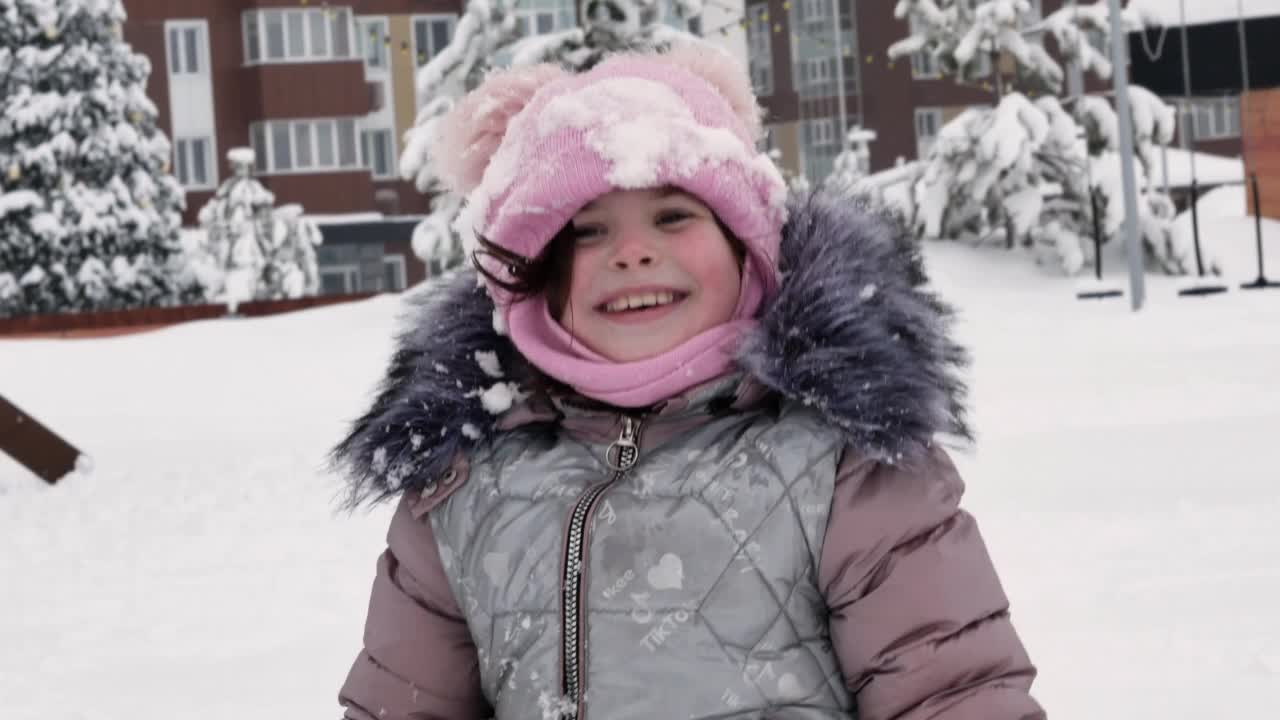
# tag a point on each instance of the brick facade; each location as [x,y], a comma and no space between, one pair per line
[1261,121]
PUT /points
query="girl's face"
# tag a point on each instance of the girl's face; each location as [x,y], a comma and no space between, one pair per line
[649,269]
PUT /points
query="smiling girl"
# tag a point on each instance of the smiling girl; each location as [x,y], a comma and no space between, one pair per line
[669,450]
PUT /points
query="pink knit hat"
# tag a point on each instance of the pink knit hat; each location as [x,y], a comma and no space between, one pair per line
[531,146]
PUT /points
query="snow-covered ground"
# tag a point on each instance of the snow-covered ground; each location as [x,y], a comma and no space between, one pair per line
[1126,478]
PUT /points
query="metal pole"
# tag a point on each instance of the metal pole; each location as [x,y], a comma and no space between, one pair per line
[839,47]
[1257,219]
[1188,133]
[1097,237]
[1164,167]
[1195,226]
[1119,58]
[1244,55]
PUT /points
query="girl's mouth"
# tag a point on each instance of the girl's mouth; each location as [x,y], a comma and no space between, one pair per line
[642,306]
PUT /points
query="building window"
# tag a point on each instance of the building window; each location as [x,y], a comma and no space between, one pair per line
[274,22]
[815,11]
[302,147]
[188,43]
[431,33]
[371,40]
[377,151]
[760,48]
[816,71]
[394,277]
[1211,118]
[821,132]
[317,33]
[258,140]
[297,35]
[284,146]
[193,162]
[923,65]
[928,123]
[339,279]
[340,31]
[535,22]
[252,38]
[347,143]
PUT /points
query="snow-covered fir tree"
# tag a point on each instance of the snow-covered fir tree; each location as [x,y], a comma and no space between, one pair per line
[89,212]
[250,249]
[488,33]
[1029,167]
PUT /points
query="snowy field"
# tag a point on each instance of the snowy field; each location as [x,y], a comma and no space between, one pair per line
[1127,478]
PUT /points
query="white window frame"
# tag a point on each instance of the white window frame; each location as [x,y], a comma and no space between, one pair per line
[1215,118]
[928,123]
[760,48]
[176,66]
[531,17]
[182,158]
[366,152]
[822,132]
[349,272]
[310,54]
[923,65]
[399,268]
[819,71]
[814,12]
[266,154]
[381,29]
[420,55]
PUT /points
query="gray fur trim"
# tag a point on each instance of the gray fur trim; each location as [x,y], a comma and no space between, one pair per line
[429,405]
[853,333]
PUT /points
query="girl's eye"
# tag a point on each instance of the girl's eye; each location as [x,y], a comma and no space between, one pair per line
[587,233]
[671,217]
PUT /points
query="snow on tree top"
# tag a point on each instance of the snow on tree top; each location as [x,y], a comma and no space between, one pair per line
[19,200]
[241,156]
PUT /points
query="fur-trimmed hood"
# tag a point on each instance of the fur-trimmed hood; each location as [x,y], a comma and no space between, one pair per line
[853,332]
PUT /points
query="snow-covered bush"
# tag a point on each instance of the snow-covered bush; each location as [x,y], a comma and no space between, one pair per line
[248,249]
[89,213]
[1027,170]
[488,32]
[854,161]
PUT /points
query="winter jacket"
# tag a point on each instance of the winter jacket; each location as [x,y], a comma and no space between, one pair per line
[782,542]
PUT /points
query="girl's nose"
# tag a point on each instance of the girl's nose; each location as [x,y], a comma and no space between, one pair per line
[633,253]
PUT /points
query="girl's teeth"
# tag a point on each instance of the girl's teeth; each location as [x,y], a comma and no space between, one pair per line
[641,301]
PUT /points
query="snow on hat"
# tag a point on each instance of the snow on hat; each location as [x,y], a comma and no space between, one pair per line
[531,146]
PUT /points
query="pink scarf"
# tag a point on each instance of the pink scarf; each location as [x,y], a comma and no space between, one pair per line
[546,344]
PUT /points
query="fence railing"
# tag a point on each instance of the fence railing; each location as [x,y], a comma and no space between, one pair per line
[1206,287]
[137,318]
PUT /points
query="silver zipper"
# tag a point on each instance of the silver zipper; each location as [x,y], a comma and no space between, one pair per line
[627,451]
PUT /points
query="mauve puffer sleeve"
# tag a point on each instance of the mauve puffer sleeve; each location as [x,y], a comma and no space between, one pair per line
[419,661]
[918,619]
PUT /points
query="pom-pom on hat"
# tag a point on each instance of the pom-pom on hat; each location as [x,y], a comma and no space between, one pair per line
[532,145]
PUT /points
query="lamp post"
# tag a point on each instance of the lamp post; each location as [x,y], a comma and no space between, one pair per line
[1119,60]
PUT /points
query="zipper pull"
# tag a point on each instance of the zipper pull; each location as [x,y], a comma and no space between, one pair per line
[627,449]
